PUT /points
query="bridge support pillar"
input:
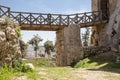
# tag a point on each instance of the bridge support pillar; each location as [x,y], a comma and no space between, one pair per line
[68,45]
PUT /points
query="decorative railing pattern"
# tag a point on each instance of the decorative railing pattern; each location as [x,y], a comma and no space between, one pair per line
[52,19]
[4,11]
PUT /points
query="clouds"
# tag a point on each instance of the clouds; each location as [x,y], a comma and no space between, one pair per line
[47,6]
[50,6]
[72,11]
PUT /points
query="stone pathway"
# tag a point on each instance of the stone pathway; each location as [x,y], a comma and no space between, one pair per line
[20,78]
[77,74]
[84,74]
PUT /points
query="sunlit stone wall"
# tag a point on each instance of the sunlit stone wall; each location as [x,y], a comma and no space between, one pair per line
[69,45]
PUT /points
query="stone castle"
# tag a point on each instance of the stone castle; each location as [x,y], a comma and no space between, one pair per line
[107,34]
[67,27]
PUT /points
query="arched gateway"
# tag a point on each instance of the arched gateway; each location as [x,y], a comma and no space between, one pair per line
[67,27]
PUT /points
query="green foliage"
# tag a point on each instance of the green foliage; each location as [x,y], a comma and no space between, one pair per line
[101,62]
[8,21]
[83,63]
[48,46]
[33,75]
[86,37]
[35,42]
[39,62]
[23,47]
[25,68]
[20,66]
[17,64]
[18,31]
[5,73]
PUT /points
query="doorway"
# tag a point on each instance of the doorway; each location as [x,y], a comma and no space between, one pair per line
[104,7]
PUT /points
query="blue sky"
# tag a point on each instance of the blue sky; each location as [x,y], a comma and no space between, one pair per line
[47,6]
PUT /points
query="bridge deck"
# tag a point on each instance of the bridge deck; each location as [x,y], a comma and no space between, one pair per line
[54,27]
[40,21]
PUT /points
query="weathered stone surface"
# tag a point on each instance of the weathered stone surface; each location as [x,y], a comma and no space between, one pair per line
[69,45]
[94,50]
[61,56]
[2,21]
[109,33]
[118,59]
[9,43]
[30,65]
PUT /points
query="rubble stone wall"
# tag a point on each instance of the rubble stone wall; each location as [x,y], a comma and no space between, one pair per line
[9,42]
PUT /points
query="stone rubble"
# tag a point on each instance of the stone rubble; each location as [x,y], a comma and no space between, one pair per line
[9,43]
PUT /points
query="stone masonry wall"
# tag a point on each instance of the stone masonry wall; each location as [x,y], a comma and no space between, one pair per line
[112,29]
[9,43]
[60,56]
[110,33]
[69,47]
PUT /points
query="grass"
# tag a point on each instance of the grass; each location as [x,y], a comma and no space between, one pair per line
[101,61]
[45,71]
[105,62]
[54,73]
[92,62]
[39,62]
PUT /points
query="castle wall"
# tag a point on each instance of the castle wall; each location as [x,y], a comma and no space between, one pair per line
[109,35]
[96,5]
[112,29]
[68,45]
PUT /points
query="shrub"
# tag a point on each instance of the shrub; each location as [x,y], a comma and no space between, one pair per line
[83,63]
[20,66]
[5,73]
[17,29]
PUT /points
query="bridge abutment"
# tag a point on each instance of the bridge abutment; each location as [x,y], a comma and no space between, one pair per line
[68,45]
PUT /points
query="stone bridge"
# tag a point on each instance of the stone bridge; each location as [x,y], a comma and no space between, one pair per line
[67,27]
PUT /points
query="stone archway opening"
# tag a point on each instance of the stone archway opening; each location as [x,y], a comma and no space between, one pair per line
[45,36]
[67,27]
[86,36]
[68,44]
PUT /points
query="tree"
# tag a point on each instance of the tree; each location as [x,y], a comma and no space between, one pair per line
[35,43]
[48,47]
[86,37]
[23,47]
